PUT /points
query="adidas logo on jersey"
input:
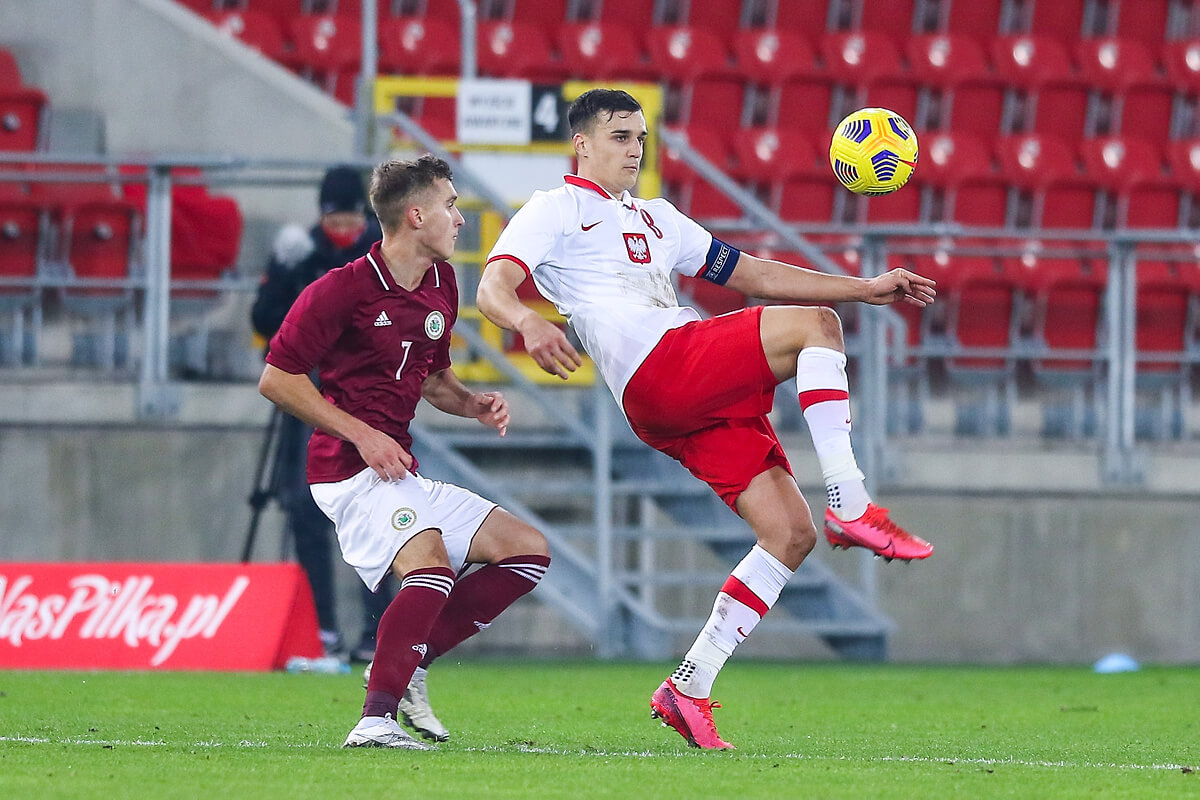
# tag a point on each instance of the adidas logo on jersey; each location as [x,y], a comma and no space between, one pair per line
[382,320]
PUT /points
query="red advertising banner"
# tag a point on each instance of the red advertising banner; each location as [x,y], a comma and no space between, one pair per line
[155,616]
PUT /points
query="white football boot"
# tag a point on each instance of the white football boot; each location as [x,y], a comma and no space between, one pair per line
[383,732]
[417,712]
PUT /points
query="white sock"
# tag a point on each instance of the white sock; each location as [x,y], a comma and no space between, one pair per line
[825,400]
[751,590]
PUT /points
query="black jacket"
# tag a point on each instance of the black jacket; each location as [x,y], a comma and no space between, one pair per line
[298,258]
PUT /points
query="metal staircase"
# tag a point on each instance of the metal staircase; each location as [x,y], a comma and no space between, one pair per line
[640,547]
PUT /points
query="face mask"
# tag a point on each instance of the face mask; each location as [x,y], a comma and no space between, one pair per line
[343,237]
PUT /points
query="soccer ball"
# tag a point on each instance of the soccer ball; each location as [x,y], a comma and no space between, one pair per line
[873,152]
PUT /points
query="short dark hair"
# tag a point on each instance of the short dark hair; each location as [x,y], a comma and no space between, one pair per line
[588,107]
[394,183]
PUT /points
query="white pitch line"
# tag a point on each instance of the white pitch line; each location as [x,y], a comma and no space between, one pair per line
[552,751]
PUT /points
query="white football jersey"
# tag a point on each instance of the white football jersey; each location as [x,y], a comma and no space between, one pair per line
[606,265]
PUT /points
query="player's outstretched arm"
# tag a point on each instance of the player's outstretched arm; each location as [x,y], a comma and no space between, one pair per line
[296,395]
[497,299]
[775,280]
[444,391]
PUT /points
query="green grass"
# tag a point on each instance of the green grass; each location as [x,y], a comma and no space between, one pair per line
[581,729]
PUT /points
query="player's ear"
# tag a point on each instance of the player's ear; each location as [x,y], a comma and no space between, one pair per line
[415,218]
[580,143]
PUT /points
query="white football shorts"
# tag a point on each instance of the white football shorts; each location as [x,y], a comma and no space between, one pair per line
[375,518]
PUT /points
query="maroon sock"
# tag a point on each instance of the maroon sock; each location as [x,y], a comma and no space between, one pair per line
[403,631]
[480,597]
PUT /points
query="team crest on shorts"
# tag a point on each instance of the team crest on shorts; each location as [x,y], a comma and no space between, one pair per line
[638,247]
[435,325]
[403,519]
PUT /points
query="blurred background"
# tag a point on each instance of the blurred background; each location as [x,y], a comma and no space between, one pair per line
[1037,424]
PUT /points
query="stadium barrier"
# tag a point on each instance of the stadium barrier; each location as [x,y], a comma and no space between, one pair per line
[155,616]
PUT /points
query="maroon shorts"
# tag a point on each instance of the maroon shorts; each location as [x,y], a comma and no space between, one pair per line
[702,397]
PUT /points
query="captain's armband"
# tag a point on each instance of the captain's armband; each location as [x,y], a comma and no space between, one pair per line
[720,262]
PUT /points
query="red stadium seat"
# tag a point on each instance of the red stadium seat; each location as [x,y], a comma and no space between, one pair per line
[1131,171]
[809,17]
[92,229]
[947,158]
[600,51]
[517,50]
[1164,324]
[721,17]
[1181,58]
[1146,22]
[639,13]
[890,17]
[1068,296]
[946,60]
[982,293]
[979,19]
[958,169]
[1040,67]
[771,57]
[770,154]
[325,46]
[860,57]
[255,29]
[419,46]
[810,199]
[21,108]
[1060,19]
[19,247]
[540,12]
[868,67]
[714,102]
[709,142]
[806,105]
[1114,64]
[684,53]
[1045,167]
[1124,70]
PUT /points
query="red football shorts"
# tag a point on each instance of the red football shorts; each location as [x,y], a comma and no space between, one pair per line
[702,397]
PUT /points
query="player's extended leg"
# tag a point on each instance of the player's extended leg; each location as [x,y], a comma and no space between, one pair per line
[774,508]
[807,342]
[426,579]
[516,557]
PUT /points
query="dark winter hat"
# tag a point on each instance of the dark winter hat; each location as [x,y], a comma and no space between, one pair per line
[342,190]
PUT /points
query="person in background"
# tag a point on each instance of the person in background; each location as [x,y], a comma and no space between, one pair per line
[344,231]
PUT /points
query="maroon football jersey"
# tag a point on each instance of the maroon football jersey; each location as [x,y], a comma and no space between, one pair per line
[373,344]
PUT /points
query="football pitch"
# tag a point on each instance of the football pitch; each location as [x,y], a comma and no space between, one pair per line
[578,729]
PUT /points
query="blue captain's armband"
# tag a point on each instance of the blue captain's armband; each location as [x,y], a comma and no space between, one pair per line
[720,262]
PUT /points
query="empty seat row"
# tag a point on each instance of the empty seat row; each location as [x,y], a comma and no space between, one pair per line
[1021,181]
[1067,20]
[86,222]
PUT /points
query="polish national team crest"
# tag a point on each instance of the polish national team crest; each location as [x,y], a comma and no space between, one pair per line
[435,325]
[638,247]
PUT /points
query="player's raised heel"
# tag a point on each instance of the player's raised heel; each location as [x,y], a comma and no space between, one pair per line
[876,531]
[691,717]
[417,712]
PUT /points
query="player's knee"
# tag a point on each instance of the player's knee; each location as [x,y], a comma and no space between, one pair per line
[531,542]
[800,543]
[827,325]
[422,551]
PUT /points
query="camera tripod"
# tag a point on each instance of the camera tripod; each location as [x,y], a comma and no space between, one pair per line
[267,479]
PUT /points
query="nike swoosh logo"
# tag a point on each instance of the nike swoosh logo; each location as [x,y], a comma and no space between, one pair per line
[742,632]
[589,227]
